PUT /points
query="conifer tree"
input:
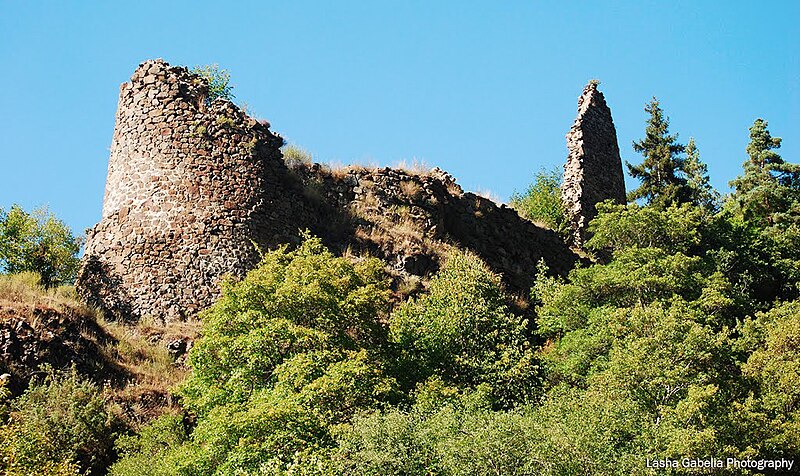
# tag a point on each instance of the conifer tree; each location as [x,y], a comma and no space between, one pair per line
[702,193]
[662,181]
[768,192]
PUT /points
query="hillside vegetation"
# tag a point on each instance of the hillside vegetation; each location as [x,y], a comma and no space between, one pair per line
[73,382]
[680,340]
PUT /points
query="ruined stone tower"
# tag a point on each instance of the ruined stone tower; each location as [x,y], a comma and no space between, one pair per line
[593,172]
[196,188]
[185,194]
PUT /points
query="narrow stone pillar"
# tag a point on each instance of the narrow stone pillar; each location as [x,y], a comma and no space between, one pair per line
[593,172]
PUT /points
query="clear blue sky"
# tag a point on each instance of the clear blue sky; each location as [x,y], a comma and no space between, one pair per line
[485,90]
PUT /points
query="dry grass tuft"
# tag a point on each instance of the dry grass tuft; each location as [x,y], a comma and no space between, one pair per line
[394,227]
[410,189]
[295,157]
[370,203]
[418,167]
[454,189]
[142,351]
[489,195]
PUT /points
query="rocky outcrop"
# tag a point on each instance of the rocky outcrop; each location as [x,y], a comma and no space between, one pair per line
[194,190]
[411,220]
[31,336]
[593,172]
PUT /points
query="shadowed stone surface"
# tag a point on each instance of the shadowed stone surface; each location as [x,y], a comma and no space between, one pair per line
[593,172]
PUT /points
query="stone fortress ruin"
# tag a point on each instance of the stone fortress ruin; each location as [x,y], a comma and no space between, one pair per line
[196,188]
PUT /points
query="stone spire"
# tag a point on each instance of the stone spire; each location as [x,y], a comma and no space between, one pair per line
[593,172]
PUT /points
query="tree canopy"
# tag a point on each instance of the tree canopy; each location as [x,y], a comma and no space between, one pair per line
[38,242]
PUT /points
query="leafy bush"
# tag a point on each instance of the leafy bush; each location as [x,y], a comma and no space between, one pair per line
[542,203]
[58,426]
[774,364]
[218,82]
[652,332]
[287,354]
[298,301]
[616,227]
[38,242]
[464,436]
[460,437]
[145,453]
[462,331]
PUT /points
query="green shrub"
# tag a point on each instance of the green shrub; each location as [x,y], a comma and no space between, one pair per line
[617,227]
[218,82]
[304,300]
[542,203]
[640,355]
[59,425]
[145,453]
[295,156]
[287,354]
[38,242]
[279,426]
[773,337]
[463,331]
[460,437]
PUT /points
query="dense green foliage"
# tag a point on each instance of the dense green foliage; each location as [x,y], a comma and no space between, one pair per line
[287,354]
[38,242]
[462,332]
[59,426]
[647,356]
[218,82]
[651,332]
[771,339]
[541,202]
[291,354]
